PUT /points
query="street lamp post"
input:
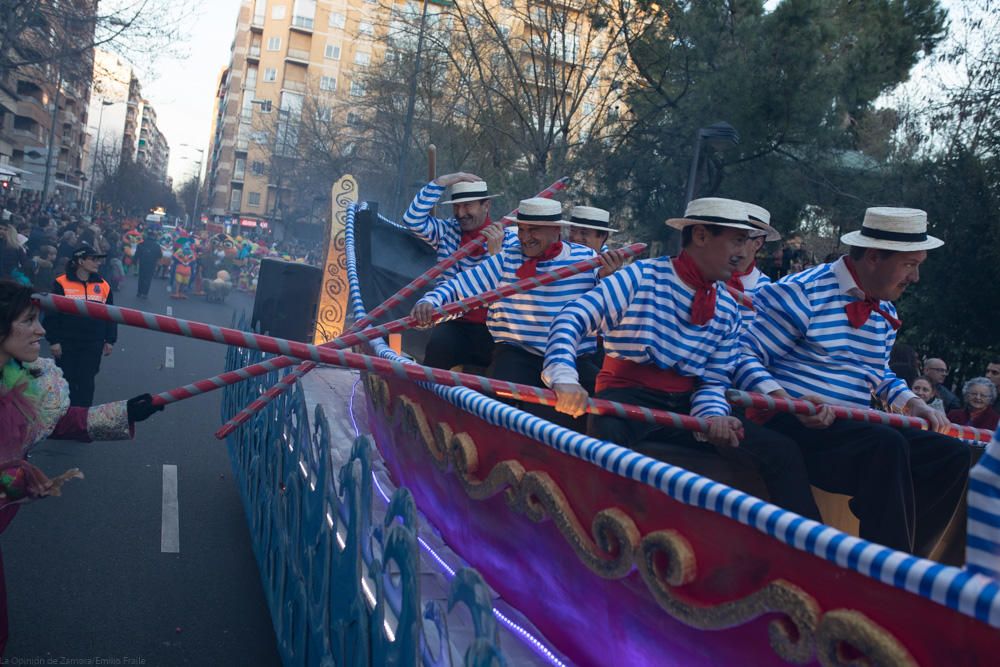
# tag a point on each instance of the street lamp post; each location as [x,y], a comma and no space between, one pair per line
[719,136]
[197,189]
[93,158]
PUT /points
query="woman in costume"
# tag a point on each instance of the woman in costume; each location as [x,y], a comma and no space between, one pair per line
[34,405]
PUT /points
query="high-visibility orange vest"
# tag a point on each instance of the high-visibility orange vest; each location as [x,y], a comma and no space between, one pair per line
[90,291]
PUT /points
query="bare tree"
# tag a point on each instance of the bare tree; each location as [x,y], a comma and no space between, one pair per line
[42,32]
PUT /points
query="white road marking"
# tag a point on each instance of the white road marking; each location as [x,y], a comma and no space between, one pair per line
[169,361]
[170,311]
[170,533]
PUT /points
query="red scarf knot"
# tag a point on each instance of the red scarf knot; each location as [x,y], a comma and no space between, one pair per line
[736,281]
[472,234]
[530,265]
[858,312]
[703,302]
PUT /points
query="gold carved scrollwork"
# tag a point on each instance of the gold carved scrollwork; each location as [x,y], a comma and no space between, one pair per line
[332,308]
[378,392]
[615,536]
[664,558]
[873,645]
[505,475]
[667,560]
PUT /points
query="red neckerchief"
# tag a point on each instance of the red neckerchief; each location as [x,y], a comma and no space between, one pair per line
[473,233]
[530,265]
[735,281]
[703,303]
[858,312]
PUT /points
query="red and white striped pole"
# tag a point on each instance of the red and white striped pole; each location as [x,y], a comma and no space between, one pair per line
[363,362]
[799,407]
[381,331]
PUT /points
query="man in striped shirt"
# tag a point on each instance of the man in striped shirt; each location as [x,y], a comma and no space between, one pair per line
[466,340]
[670,339]
[824,335]
[520,323]
[747,277]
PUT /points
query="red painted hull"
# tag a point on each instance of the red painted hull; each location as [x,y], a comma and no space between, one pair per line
[738,581]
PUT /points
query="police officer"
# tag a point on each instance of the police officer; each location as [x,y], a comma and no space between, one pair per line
[77,343]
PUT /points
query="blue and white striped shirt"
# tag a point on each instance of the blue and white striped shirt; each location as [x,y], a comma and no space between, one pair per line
[645,310]
[445,236]
[982,549]
[522,319]
[751,283]
[801,341]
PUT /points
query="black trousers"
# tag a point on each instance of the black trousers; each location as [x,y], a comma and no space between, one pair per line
[516,364]
[774,456]
[145,278]
[457,342]
[905,483]
[80,362]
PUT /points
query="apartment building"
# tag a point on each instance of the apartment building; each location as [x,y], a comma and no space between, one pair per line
[285,51]
[152,149]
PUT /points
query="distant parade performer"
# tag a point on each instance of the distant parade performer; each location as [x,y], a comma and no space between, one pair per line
[589,226]
[520,323]
[147,256]
[465,340]
[78,343]
[130,242]
[183,265]
[748,278]
[824,335]
[35,405]
[671,334]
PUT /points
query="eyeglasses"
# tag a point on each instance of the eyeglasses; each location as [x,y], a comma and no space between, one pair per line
[983,396]
[943,370]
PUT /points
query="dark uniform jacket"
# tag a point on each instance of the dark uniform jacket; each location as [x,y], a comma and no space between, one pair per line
[60,328]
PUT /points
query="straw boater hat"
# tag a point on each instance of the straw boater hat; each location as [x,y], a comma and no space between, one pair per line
[468,191]
[539,211]
[761,214]
[903,229]
[719,211]
[589,217]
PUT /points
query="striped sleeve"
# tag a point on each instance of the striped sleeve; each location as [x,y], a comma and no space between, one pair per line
[418,217]
[783,314]
[599,309]
[982,549]
[486,276]
[893,390]
[709,399]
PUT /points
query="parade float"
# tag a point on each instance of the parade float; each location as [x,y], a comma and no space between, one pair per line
[618,558]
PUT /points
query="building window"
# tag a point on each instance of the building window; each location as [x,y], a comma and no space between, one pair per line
[353,119]
[323,114]
[278,13]
[509,4]
[257,167]
[270,74]
[587,108]
[332,51]
[274,44]
[235,198]
[357,89]
[362,58]
[337,20]
[253,200]
[240,169]
[366,28]
[328,83]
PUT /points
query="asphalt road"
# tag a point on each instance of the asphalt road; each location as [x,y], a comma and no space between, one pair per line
[86,576]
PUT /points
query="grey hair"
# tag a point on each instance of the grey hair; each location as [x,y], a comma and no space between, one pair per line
[986,382]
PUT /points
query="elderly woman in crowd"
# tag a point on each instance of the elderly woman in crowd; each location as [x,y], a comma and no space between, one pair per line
[978,395]
[923,387]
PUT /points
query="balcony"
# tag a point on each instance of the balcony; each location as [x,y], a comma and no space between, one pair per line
[294,86]
[254,52]
[302,24]
[300,56]
[257,24]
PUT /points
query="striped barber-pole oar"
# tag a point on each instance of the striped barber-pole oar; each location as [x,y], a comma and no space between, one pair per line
[799,407]
[363,362]
[379,331]
[432,273]
[404,323]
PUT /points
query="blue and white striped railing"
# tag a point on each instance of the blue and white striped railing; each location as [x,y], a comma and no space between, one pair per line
[966,591]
